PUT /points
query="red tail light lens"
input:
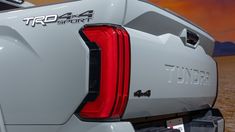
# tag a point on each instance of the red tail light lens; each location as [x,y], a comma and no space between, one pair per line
[114,44]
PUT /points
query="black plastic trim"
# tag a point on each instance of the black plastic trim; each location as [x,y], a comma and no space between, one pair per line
[94,71]
[159,122]
[192,38]
[94,67]
[15,2]
[5,7]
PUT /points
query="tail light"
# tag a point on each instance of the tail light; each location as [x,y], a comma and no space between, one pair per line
[114,45]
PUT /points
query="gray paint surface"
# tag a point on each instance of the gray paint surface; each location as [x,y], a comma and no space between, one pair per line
[173,72]
[44,69]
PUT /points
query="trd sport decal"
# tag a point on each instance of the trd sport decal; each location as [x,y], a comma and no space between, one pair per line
[60,20]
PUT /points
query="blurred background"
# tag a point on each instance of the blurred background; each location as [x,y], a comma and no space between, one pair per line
[217,17]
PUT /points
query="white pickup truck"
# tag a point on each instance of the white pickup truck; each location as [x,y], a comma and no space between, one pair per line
[104,66]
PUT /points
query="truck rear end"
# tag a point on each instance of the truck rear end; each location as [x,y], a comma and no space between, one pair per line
[106,66]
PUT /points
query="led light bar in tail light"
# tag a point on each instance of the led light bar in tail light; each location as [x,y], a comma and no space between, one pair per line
[114,45]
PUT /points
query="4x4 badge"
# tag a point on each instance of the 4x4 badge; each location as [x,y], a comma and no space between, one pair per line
[140,93]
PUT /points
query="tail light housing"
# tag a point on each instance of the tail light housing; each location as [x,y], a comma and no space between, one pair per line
[114,76]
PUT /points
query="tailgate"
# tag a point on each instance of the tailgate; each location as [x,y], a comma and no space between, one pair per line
[171,67]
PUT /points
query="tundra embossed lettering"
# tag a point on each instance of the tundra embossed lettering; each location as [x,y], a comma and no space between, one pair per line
[186,75]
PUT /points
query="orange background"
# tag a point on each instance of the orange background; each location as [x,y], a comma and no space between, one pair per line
[215,16]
